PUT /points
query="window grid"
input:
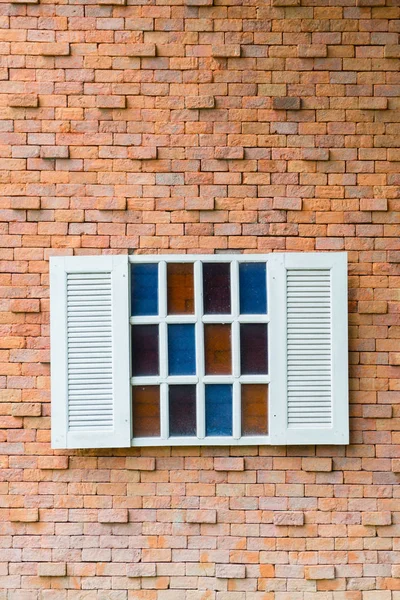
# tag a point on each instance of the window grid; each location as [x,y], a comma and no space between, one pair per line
[198,319]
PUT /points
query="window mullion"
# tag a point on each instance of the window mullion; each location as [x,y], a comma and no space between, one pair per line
[235,340]
[162,309]
[200,404]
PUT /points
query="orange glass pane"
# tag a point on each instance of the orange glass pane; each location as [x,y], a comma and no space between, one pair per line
[217,348]
[180,289]
[255,409]
[146,411]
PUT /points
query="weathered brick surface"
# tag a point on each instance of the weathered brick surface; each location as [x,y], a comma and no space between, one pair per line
[190,126]
[52,569]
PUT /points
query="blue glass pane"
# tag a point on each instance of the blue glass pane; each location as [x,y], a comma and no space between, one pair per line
[181,350]
[253,288]
[218,409]
[144,289]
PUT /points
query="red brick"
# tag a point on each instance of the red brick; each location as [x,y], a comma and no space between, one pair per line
[287,203]
[377,518]
[194,102]
[113,516]
[141,50]
[111,203]
[24,515]
[229,153]
[199,2]
[286,103]
[312,50]
[111,101]
[26,409]
[143,153]
[378,307]
[23,100]
[229,464]
[285,2]
[140,463]
[372,103]
[317,464]
[392,51]
[315,154]
[380,204]
[53,462]
[25,306]
[54,152]
[55,49]
[227,51]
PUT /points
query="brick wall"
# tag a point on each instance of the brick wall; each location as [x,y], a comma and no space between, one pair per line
[169,127]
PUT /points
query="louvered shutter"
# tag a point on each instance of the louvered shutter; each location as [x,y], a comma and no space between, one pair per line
[309,349]
[90,379]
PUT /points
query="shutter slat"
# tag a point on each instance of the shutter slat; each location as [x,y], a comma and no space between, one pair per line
[309,398]
[89,299]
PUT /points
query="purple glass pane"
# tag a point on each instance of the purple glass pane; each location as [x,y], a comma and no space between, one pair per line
[253,349]
[145,350]
[217,288]
[182,410]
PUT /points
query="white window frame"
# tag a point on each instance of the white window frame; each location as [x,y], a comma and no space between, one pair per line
[198,319]
[278,266]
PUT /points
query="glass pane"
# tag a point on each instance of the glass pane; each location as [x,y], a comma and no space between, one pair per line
[181,350]
[254,409]
[144,289]
[217,288]
[180,292]
[253,348]
[217,349]
[146,411]
[182,410]
[253,288]
[218,409]
[145,350]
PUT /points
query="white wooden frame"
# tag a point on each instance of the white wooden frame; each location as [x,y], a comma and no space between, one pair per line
[121,433]
[338,432]
[200,379]
[280,431]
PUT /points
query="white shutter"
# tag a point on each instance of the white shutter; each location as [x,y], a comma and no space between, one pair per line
[309,349]
[90,371]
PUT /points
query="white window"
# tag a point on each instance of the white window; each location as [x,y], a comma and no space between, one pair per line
[188,350]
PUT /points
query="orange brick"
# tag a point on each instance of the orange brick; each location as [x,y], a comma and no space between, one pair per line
[23,100]
[378,307]
[229,50]
[229,464]
[141,463]
[195,102]
[53,462]
[317,464]
[25,306]
[111,101]
[55,49]
[24,515]
[119,515]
